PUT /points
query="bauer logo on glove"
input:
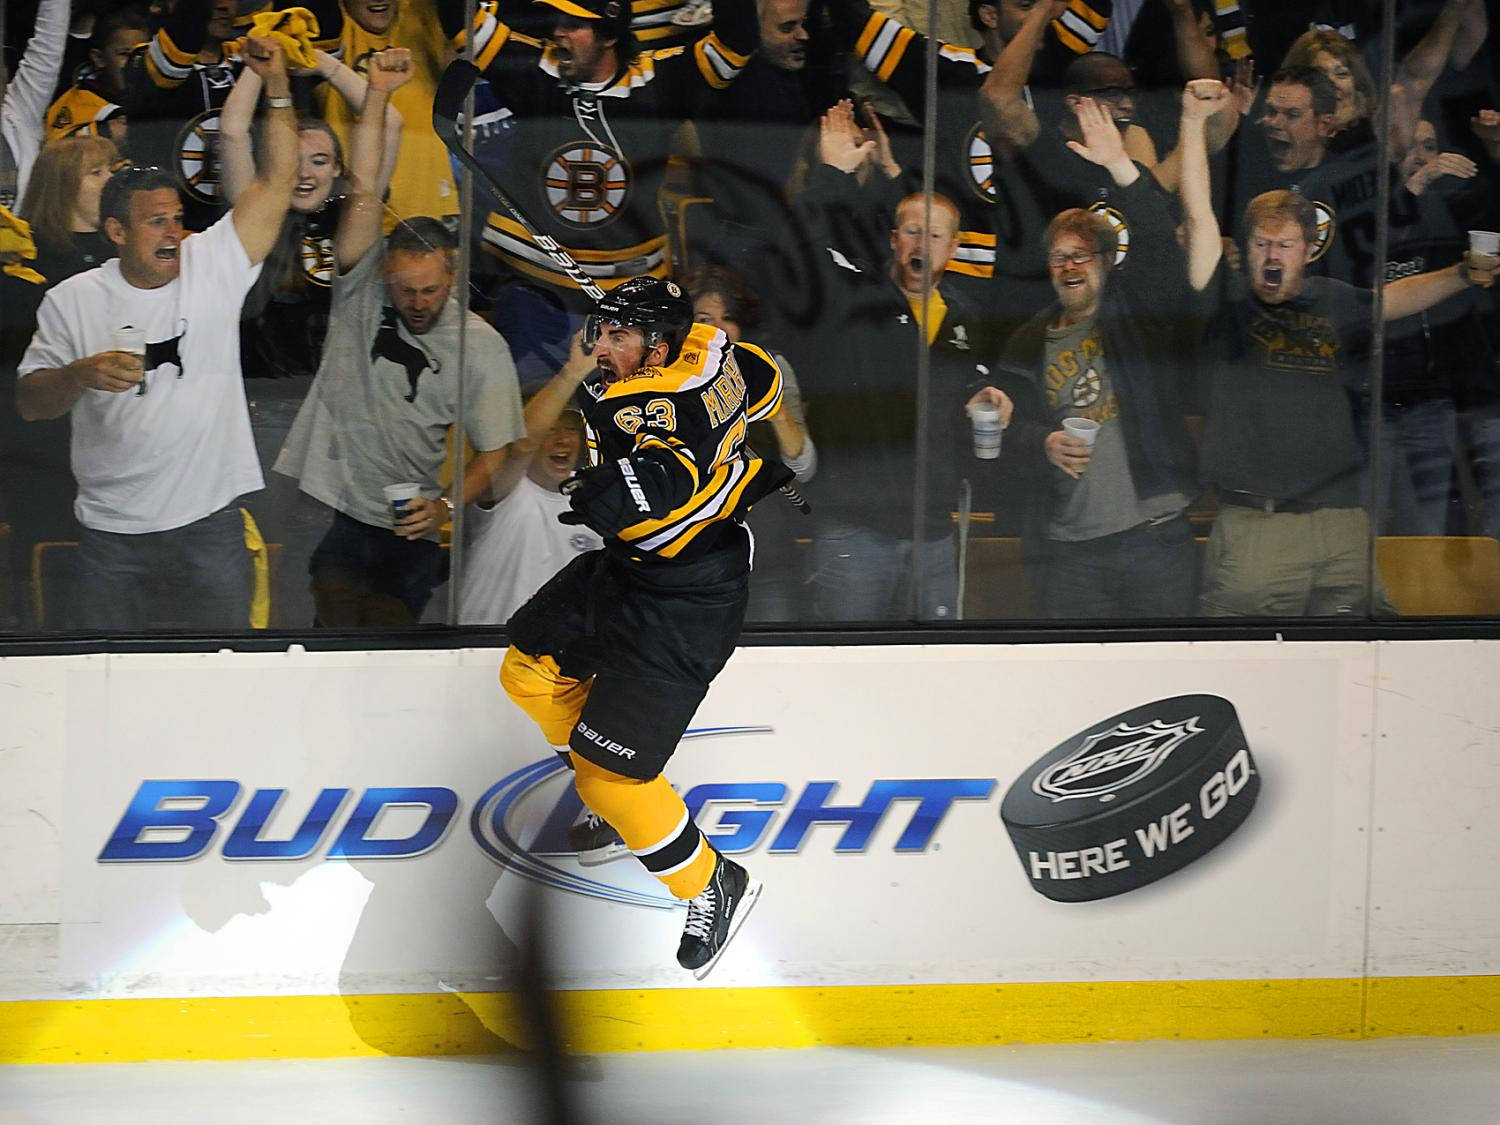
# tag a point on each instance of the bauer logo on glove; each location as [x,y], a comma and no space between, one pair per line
[607,498]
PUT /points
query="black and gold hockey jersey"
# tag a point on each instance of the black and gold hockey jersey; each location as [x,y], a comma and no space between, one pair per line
[965,161]
[696,410]
[586,162]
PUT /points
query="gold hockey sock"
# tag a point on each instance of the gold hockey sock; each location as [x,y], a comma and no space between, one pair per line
[654,823]
[538,687]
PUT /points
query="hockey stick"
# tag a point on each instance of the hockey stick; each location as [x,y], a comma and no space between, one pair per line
[447,105]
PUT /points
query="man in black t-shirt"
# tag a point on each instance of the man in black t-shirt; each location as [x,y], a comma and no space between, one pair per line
[1284,353]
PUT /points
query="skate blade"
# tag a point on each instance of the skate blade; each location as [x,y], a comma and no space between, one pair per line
[594,857]
[741,912]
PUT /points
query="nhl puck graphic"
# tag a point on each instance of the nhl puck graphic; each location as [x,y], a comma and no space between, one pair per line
[1132,798]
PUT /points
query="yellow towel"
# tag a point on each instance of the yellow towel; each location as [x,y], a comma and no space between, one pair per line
[17,248]
[296,28]
[260,597]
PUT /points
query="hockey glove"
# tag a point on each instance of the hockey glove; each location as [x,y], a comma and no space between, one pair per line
[613,496]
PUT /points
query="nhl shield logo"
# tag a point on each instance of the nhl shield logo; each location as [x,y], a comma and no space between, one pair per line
[1112,760]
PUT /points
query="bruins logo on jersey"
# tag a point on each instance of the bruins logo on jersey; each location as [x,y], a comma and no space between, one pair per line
[1328,225]
[198,156]
[980,159]
[585,183]
[1121,228]
[317,259]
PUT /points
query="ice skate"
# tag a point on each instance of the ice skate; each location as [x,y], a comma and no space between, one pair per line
[715,916]
[594,840]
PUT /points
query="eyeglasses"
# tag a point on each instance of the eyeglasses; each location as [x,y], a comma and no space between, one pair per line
[1078,258]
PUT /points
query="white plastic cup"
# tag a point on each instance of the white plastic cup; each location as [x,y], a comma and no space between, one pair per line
[132,341]
[985,418]
[1484,242]
[1085,428]
[397,496]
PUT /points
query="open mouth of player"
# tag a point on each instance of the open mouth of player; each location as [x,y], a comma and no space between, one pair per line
[1077,281]
[1279,147]
[166,254]
[378,9]
[561,459]
[1270,279]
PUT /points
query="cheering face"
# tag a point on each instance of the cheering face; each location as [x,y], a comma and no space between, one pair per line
[1077,271]
[1424,149]
[1296,137]
[579,51]
[375,16]
[709,309]
[86,205]
[916,261]
[1343,81]
[317,168]
[150,244]
[619,352]
[111,61]
[783,34]
[418,285]
[557,456]
[221,22]
[1277,254]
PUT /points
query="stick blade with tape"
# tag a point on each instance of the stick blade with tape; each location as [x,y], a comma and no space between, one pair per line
[448,101]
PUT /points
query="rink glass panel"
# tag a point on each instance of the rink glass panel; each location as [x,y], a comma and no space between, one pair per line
[908,526]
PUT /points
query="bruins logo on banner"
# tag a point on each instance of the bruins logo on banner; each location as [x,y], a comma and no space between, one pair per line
[1121,228]
[1328,225]
[317,259]
[585,183]
[980,161]
[198,156]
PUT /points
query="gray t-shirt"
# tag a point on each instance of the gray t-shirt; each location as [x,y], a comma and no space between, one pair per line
[383,401]
[1076,383]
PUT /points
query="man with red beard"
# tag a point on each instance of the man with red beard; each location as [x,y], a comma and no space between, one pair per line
[1284,354]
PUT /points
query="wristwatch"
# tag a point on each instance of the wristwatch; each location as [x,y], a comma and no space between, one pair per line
[279,103]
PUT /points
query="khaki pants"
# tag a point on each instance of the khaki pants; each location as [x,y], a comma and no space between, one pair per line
[1290,564]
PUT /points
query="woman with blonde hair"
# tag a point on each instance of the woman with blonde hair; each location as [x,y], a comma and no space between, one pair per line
[1336,57]
[36,482]
[62,205]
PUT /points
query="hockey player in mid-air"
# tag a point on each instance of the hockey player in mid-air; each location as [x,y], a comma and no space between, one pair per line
[613,655]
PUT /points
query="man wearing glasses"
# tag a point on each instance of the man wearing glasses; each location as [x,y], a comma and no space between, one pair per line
[1098,419]
[143,353]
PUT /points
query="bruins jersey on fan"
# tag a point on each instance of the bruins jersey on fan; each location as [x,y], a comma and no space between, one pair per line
[965,162]
[586,162]
[697,409]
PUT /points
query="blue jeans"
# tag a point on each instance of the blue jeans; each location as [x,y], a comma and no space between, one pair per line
[1484,446]
[204,566]
[363,575]
[1147,572]
[863,575]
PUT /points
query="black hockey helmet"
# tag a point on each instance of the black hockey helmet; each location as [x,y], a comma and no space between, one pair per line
[659,308]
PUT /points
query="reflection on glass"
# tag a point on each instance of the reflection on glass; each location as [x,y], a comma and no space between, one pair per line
[1150,240]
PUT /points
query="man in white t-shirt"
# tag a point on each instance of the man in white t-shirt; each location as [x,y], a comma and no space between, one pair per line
[143,353]
[516,545]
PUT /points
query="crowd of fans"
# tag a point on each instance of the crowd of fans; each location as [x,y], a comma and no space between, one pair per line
[1219,282]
